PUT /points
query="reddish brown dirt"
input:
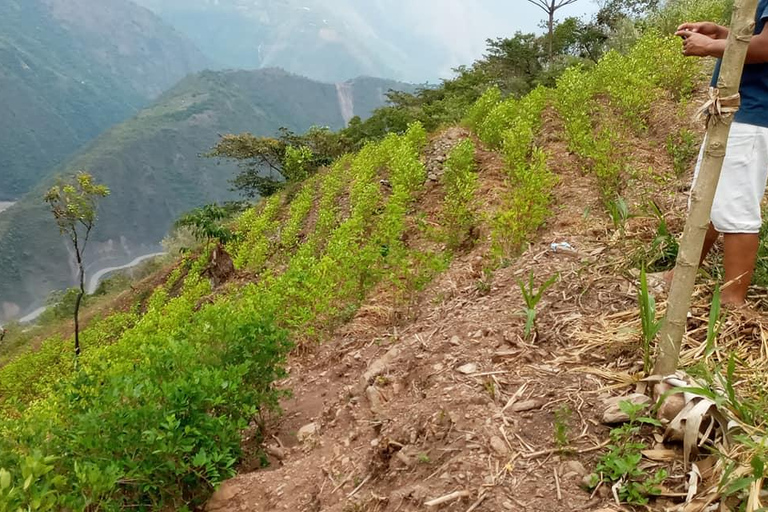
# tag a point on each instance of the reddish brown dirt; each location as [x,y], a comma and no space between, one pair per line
[453,403]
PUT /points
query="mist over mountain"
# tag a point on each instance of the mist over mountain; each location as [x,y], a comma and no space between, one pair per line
[69,69]
[332,40]
[153,166]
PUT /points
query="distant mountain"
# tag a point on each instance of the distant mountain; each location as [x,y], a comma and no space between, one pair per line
[333,40]
[69,69]
[152,165]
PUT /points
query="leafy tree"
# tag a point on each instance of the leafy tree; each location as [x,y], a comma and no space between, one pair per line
[550,7]
[270,163]
[576,38]
[73,204]
[205,222]
[514,64]
[613,11]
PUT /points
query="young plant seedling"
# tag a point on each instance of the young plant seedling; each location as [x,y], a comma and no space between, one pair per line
[532,297]
[648,321]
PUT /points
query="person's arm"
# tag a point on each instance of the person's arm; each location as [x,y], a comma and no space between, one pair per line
[699,45]
[706,28]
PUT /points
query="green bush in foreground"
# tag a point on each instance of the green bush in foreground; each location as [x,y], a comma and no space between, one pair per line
[151,425]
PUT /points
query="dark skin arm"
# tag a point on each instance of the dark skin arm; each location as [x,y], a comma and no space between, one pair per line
[709,40]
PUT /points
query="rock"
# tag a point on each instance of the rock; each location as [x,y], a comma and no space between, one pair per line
[405,459]
[526,405]
[613,413]
[221,499]
[588,481]
[307,431]
[467,369]
[672,404]
[379,366]
[276,452]
[499,446]
[575,467]
[374,398]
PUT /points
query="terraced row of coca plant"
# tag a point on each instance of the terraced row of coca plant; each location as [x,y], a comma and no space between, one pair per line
[345,254]
[155,415]
[510,126]
[598,105]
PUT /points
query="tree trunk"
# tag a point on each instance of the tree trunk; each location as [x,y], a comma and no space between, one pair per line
[551,27]
[703,194]
[78,301]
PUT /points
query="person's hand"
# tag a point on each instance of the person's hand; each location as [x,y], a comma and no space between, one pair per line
[705,28]
[695,44]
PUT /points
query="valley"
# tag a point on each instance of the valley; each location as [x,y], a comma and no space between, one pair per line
[70,69]
[154,167]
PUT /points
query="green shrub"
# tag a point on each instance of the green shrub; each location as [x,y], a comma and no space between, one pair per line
[478,112]
[525,208]
[675,12]
[460,182]
[157,432]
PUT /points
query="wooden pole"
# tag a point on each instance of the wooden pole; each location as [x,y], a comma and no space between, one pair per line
[703,194]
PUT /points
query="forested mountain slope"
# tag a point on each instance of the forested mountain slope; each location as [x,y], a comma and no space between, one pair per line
[153,165]
[69,69]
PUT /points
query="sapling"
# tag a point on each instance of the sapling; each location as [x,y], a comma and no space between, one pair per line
[532,297]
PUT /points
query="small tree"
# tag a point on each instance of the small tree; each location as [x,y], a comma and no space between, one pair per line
[268,164]
[73,204]
[551,7]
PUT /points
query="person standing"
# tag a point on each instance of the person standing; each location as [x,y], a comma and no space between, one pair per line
[736,211]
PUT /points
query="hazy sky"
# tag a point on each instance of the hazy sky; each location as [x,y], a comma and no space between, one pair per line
[464,25]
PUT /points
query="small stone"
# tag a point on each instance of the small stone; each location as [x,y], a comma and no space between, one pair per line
[526,405]
[374,398]
[575,467]
[374,443]
[307,431]
[276,452]
[499,446]
[455,340]
[613,413]
[672,404]
[468,369]
[432,176]
[588,482]
[223,497]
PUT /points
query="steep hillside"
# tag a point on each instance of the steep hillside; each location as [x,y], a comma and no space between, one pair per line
[69,69]
[463,313]
[153,167]
[334,40]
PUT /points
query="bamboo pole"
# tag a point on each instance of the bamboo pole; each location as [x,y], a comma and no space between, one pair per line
[703,194]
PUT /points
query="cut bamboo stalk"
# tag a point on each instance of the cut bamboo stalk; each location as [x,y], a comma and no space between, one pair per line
[703,193]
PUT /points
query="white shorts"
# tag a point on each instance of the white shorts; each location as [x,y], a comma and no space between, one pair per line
[742,183]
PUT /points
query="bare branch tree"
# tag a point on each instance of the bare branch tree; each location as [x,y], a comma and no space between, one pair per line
[551,7]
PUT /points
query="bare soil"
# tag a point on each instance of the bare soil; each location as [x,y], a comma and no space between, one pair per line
[449,402]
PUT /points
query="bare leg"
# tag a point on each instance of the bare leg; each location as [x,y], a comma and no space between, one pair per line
[709,242]
[740,257]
